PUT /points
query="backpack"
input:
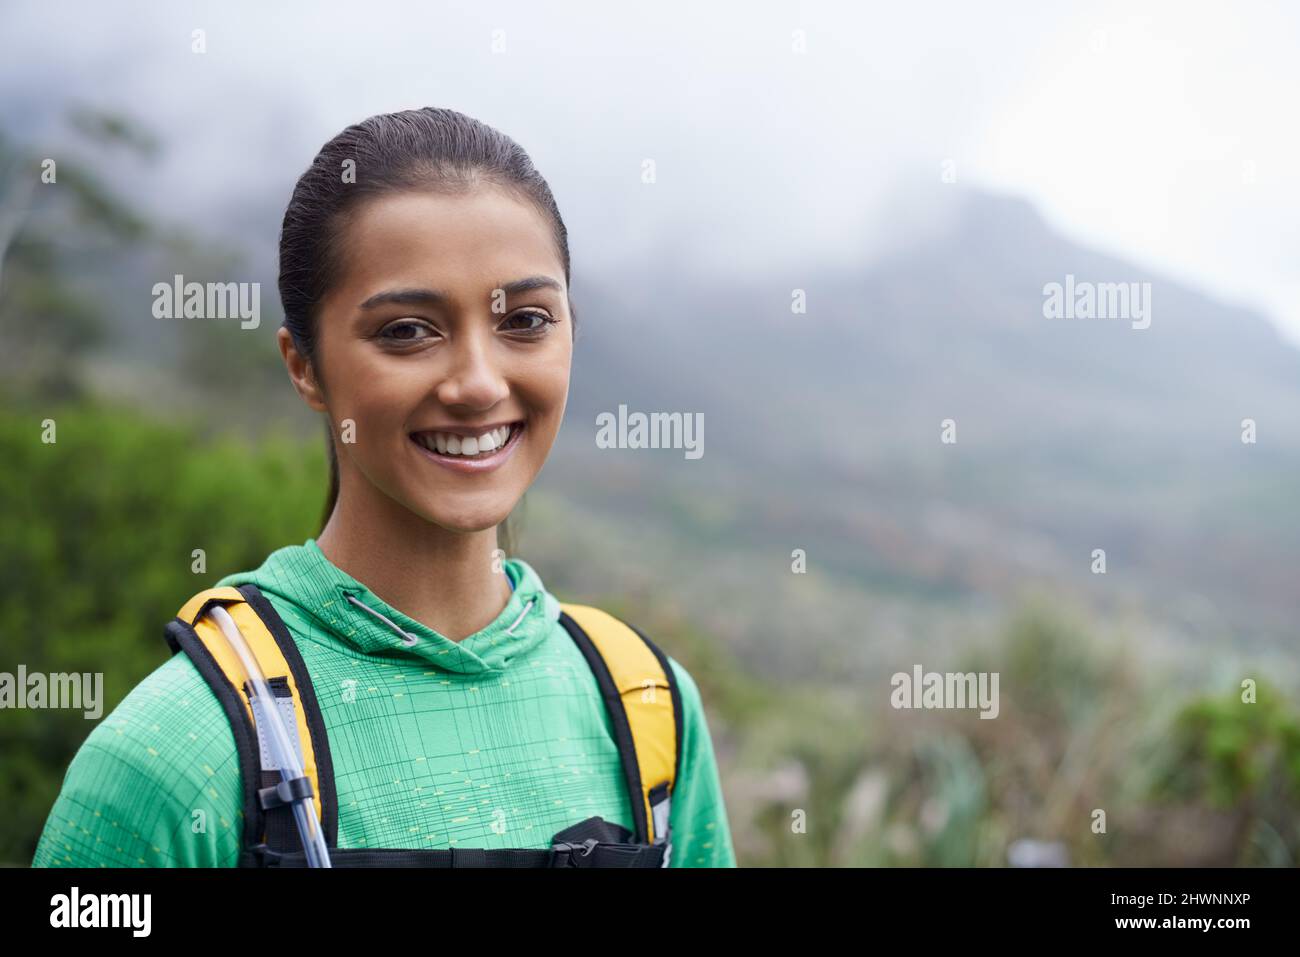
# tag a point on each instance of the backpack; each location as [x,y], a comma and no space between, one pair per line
[636,683]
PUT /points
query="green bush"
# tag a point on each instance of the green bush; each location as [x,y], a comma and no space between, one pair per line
[97,534]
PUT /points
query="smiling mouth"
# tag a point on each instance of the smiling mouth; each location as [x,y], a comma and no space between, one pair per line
[485,447]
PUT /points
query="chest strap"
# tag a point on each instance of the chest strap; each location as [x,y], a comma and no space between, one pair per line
[594,842]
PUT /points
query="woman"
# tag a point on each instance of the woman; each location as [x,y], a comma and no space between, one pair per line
[424,273]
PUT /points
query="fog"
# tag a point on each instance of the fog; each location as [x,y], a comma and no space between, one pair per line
[1162,133]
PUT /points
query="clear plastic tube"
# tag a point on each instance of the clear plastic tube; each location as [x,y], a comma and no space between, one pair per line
[278,741]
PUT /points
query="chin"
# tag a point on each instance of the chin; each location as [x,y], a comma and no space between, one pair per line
[467,521]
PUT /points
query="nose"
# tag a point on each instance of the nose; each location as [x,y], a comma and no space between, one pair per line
[473,379]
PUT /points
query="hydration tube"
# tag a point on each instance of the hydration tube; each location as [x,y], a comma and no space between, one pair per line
[278,741]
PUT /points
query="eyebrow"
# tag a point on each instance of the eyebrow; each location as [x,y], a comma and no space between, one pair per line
[420,297]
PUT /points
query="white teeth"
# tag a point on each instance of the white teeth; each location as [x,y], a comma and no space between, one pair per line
[448,444]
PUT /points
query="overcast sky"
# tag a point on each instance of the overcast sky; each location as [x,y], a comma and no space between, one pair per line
[1165,133]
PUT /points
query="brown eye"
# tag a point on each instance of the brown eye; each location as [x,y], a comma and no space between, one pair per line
[406,330]
[534,321]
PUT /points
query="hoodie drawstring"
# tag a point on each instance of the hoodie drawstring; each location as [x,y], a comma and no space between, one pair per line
[409,639]
[511,629]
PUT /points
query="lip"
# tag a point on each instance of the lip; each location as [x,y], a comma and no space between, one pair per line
[471,466]
[470,430]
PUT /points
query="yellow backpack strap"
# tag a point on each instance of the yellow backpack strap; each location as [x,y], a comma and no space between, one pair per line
[645,708]
[195,633]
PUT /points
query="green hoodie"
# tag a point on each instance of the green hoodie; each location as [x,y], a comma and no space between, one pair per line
[496,741]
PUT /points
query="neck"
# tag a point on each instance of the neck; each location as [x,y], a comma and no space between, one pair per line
[443,579]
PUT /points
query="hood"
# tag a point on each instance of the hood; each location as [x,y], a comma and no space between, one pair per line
[332,607]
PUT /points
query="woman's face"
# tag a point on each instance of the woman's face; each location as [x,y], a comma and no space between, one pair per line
[448,326]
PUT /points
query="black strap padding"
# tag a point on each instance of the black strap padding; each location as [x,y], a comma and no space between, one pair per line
[402,857]
[279,826]
[602,856]
[618,719]
[593,842]
[594,828]
[173,640]
[329,822]
[181,637]
[277,797]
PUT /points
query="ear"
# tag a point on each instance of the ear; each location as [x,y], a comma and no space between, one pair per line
[301,372]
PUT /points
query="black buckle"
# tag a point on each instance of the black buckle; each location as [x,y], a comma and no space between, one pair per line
[286,792]
[264,856]
[570,854]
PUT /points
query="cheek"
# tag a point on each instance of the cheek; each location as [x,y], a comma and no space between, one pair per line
[546,382]
[373,398]
[546,395]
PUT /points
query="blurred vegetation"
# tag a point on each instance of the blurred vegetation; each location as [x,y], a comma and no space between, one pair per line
[1184,779]
[97,533]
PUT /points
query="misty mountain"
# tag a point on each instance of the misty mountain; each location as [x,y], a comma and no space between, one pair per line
[823,430]
[953,327]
